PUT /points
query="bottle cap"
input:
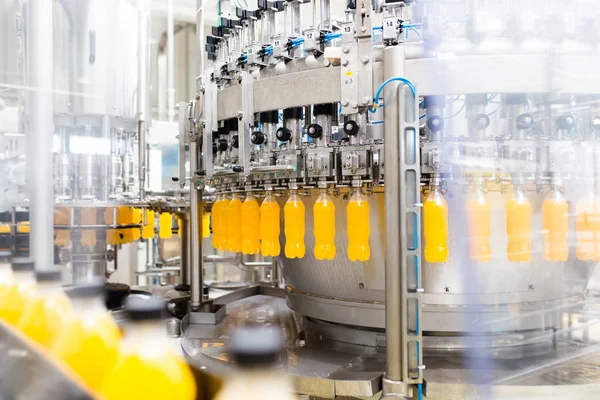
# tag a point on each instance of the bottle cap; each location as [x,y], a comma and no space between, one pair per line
[5,256]
[48,276]
[139,309]
[22,264]
[251,347]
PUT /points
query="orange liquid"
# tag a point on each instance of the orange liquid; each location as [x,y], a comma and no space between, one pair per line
[44,316]
[295,227]
[16,297]
[220,228]
[124,217]
[357,216]
[205,225]
[88,217]
[234,224]
[148,229]
[89,345]
[250,226]
[62,237]
[479,227]
[518,229]
[555,212]
[435,227]
[136,218]
[112,235]
[588,229]
[165,221]
[270,226]
[324,227]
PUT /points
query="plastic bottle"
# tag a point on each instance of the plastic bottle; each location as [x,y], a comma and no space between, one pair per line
[270,226]
[256,351]
[88,217]
[555,211]
[62,237]
[148,229]
[205,224]
[295,226]
[359,230]
[234,224]
[588,228]
[324,227]
[20,292]
[124,217]
[136,218]
[112,235]
[250,226]
[165,222]
[220,230]
[435,226]
[479,226]
[44,316]
[518,227]
[89,341]
[147,368]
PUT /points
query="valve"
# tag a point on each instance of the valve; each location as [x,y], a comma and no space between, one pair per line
[351,128]
[283,134]
[315,131]
[257,138]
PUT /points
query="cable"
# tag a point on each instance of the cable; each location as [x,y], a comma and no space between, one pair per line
[495,111]
[410,28]
[330,36]
[458,112]
[422,116]
[378,93]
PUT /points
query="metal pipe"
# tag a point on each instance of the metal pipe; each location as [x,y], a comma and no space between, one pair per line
[196,207]
[170,62]
[201,46]
[393,323]
[41,121]
[185,249]
[326,23]
[143,90]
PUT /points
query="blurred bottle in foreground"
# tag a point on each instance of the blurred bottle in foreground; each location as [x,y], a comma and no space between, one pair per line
[6,278]
[147,368]
[257,352]
[555,211]
[89,340]
[18,293]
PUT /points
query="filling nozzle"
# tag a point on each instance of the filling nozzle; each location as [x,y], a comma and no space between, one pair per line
[320,130]
[478,120]
[291,132]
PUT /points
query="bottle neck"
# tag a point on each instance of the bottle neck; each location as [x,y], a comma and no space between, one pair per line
[146,334]
[48,288]
[5,268]
[83,306]
[24,277]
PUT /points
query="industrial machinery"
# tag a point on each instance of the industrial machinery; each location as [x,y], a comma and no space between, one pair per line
[428,171]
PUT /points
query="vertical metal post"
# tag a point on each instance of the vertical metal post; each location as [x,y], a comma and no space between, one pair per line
[40,118]
[326,23]
[143,91]
[170,62]
[201,46]
[196,206]
[246,121]
[185,249]
[183,139]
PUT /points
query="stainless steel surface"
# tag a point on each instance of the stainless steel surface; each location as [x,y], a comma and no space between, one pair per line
[196,209]
[40,117]
[186,264]
[173,328]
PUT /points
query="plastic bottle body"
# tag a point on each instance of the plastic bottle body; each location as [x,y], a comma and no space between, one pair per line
[324,227]
[220,229]
[479,226]
[295,227]
[234,224]
[124,217]
[270,226]
[88,217]
[205,224]
[435,227]
[359,230]
[112,235]
[62,237]
[165,222]
[555,212]
[588,229]
[250,226]
[518,228]
[16,297]
[136,218]
[257,385]
[148,229]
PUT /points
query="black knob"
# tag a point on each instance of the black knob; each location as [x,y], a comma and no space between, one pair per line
[435,123]
[565,122]
[237,168]
[351,128]
[596,124]
[222,145]
[235,142]
[283,134]
[315,131]
[257,138]
[175,179]
[525,121]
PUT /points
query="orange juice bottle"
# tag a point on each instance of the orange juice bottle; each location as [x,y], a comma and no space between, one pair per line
[124,217]
[205,224]
[234,224]
[555,212]
[479,226]
[588,228]
[220,229]
[88,217]
[62,237]
[250,227]
[357,217]
[136,218]
[20,292]
[295,226]
[518,227]
[45,314]
[148,229]
[270,226]
[324,227]
[146,367]
[435,226]
[165,221]
[89,340]
[112,235]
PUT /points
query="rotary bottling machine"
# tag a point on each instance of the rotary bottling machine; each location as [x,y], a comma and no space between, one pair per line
[472,128]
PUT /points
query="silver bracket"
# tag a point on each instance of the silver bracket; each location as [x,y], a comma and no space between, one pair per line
[246,122]
[183,139]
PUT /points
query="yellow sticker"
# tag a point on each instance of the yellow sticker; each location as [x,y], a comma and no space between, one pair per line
[348,73]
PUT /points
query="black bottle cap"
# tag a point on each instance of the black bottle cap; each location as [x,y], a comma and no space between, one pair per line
[256,347]
[324,109]
[22,264]
[257,138]
[139,309]
[292,113]
[351,128]
[5,256]
[48,276]
[315,131]
[283,134]
[269,117]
